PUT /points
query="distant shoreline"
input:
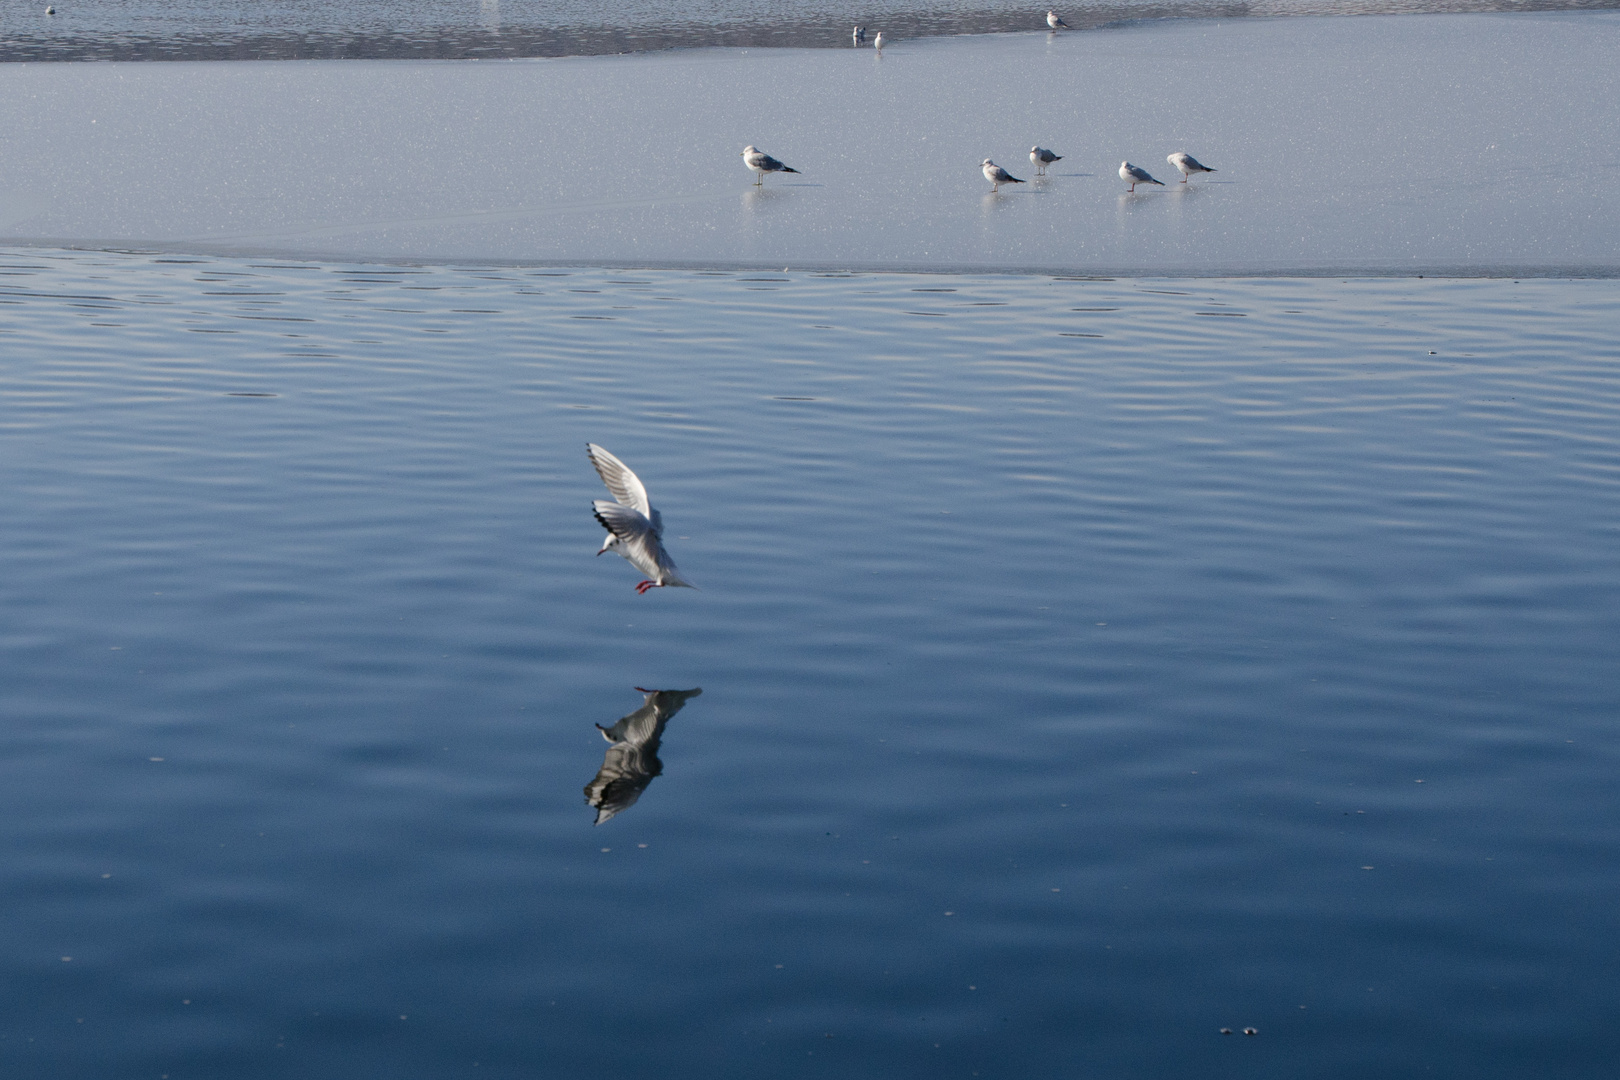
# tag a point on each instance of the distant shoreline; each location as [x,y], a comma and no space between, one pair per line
[488,32]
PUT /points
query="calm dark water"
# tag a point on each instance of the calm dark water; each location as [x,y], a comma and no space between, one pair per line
[455,29]
[1085,666]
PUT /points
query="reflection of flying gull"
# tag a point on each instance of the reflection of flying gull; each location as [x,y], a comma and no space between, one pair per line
[762,164]
[1054,22]
[1186,164]
[632,761]
[1133,176]
[635,529]
[1041,159]
[998,176]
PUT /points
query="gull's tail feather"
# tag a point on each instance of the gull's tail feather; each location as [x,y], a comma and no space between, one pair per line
[673,577]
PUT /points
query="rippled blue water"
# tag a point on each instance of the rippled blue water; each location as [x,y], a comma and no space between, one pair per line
[1086,666]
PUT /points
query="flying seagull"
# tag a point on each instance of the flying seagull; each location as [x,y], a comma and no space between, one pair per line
[635,529]
[1187,164]
[1054,22]
[762,163]
[998,176]
[1133,176]
[1041,159]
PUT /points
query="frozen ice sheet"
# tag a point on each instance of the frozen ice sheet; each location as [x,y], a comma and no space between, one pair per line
[1430,143]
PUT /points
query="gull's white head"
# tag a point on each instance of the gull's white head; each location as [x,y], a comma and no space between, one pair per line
[987,161]
[749,150]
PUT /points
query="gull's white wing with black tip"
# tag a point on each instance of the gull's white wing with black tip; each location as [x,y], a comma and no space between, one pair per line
[624,484]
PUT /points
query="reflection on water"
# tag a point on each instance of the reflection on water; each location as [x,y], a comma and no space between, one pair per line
[631,761]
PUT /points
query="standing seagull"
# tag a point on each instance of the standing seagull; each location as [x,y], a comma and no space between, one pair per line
[762,163]
[860,36]
[1187,164]
[1041,159]
[1133,176]
[877,42]
[1054,22]
[998,176]
[635,529]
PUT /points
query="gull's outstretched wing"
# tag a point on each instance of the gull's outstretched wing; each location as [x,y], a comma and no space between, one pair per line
[624,484]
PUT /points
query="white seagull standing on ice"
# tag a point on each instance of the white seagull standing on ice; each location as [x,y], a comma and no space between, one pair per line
[860,35]
[998,176]
[1041,159]
[762,163]
[1133,176]
[877,42]
[1186,164]
[1054,22]
[635,529]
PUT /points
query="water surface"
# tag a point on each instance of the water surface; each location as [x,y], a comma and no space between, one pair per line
[1086,666]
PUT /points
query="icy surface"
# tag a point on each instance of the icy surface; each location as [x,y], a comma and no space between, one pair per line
[1434,143]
